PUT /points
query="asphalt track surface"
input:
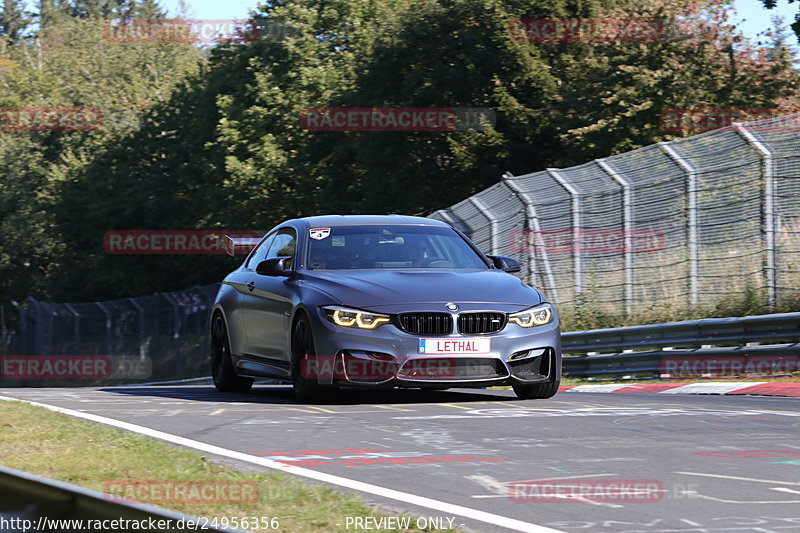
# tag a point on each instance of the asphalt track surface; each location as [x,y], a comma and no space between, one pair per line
[646,463]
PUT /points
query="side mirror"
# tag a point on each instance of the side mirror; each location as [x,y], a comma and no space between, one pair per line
[273,267]
[506,264]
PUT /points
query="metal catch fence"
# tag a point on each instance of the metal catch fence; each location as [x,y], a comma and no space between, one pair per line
[170,328]
[686,222]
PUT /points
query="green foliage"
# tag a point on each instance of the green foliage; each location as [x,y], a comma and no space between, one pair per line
[588,311]
[14,19]
[68,64]
[771,4]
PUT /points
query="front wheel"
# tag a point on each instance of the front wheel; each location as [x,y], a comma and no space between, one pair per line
[225,378]
[304,382]
[537,391]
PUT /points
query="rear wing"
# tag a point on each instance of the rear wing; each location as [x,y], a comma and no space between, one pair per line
[240,244]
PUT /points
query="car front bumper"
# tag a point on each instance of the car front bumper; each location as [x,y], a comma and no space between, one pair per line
[389,357]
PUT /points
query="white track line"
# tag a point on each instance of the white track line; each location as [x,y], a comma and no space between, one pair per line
[413,499]
[713,387]
[599,388]
[737,478]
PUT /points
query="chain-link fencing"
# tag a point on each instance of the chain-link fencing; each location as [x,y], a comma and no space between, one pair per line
[169,331]
[681,223]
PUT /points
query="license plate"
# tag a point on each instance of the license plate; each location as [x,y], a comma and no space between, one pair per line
[466,345]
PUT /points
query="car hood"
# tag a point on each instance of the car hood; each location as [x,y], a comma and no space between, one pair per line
[396,290]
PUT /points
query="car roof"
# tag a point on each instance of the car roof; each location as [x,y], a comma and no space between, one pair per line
[357,220]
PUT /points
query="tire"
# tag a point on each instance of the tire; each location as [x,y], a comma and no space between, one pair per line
[537,391]
[305,390]
[225,378]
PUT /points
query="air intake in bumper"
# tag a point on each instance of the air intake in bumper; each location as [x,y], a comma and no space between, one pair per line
[451,368]
[526,365]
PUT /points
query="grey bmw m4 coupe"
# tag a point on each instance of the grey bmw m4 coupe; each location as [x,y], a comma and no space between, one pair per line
[380,301]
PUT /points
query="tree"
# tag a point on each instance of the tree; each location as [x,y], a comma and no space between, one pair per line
[614,95]
[14,20]
[62,10]
[779,46]
[69,64]
[771,4]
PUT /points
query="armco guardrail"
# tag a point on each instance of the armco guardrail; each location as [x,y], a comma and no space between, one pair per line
[29,503]
[642,349]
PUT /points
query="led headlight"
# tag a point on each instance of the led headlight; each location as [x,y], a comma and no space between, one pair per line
[353,318]
[535,316]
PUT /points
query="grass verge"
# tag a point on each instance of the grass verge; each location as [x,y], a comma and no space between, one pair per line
[53,445]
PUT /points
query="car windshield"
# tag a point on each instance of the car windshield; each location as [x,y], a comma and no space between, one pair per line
[390,247]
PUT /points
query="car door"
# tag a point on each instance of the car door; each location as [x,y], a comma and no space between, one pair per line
[267,302]
[238,279]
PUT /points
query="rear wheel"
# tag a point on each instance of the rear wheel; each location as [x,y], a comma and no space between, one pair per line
[536,391]
[225,379]
[306,387]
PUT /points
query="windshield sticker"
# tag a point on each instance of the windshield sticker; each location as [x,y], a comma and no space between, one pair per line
[320,233]
[337,241]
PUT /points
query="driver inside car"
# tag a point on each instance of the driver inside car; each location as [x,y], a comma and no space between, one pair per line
[318,260]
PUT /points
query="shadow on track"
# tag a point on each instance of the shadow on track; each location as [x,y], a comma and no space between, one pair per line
[282,394]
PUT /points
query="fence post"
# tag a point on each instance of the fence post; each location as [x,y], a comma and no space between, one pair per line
[454,220]
[768,209]
[38,334]
[532,219]
[109,337]
[4,336]
[139,308]
[76,328]
[443,213]
[691,190]
[23,347]
[627,222]
[576,226]
[176,332]
[493,226]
